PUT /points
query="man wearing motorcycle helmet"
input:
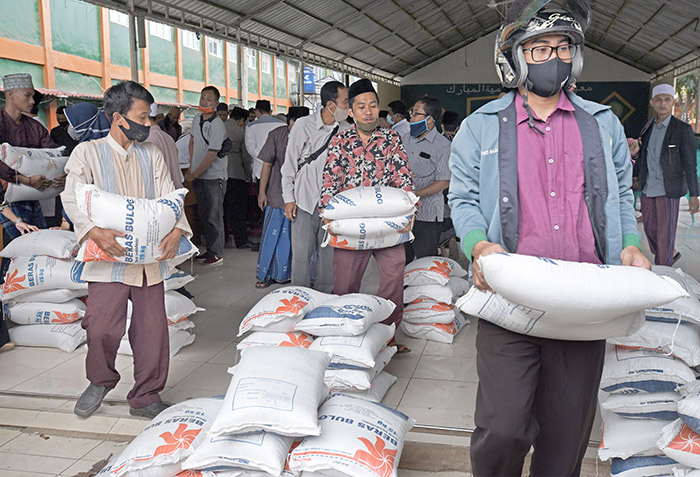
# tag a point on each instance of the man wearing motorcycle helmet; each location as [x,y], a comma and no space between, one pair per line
[540,172]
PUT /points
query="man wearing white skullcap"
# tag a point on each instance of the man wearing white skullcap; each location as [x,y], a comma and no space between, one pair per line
[667,170]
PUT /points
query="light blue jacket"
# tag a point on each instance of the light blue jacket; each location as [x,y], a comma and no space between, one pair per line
[484,187]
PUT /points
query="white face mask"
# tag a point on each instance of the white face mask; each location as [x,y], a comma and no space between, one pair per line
[339,114]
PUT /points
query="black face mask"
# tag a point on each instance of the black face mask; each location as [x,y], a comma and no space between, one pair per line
[63,124]
[547,79]
[136,132]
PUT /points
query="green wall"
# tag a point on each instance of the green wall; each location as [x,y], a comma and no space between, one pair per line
[72,82]
[8,67]
[20,21]
[119,45]
[217,72]
[162,55]
[252,74]
[282,109]
[66,15]
[267,79]
[190,97]
[164,95]
[281,82]
[193,63]
[233,70]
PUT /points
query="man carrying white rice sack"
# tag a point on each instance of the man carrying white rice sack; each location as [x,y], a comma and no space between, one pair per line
[367,156]
[544,173]
[121,163]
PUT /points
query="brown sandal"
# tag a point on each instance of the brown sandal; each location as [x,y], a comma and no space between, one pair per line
[399,347]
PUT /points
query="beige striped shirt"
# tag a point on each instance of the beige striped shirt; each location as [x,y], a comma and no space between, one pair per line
[106,164]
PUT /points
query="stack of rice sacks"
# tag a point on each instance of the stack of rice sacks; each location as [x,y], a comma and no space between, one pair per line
[42,290]
[650,399]
[366,218]
[433,285]
[269,422]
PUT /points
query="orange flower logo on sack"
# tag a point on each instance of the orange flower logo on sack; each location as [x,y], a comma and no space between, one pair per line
[64,317]
[377,457]
[443,268]
[93,253]
[442,307]
[14,283]
[335,243]
[686,440]
[295,341]
[180,439]
[293,306]
[189,473]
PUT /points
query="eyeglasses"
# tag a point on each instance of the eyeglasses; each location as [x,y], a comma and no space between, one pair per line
[540,54]
[417,113]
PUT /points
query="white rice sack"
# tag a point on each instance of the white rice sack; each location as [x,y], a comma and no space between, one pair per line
[45,313]
[432,271]
[60,295]
[683,309]
[11,155]
[641,370]
[689,405]
[179,306]
[185,251]
[287,304]
[679,442]
[359,438]
[441,293]
[295,339]
[686,473]
[459,286]
[380,386]
[50,163]
[632,371]
[436,331]
[368,243]
[31,274]
[54,243]
[660,406]
[539,322]
[179,338]
[168,439]
[426,310]
[258,451]
[348,379]
[651,466]
[275,389]
[177,279]
[363,202]
[144,221]
[347,315]
[64,337]
[364,228]
[690,281]
[624,438]
[681,340]
[359,351]
[570,291]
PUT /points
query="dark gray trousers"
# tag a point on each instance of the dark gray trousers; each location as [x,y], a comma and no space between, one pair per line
[533,392]
[210,206]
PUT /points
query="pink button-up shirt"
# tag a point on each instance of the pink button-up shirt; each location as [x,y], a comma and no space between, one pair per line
[552,210]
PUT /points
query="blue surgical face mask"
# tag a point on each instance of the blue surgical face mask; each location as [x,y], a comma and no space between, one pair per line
[389,119]
[419,127]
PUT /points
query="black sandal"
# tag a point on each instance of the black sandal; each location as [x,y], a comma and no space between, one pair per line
[263,283]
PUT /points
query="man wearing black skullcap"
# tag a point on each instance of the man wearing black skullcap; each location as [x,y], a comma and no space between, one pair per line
[367,155]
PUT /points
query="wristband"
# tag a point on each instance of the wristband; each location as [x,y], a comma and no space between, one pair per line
[17,221]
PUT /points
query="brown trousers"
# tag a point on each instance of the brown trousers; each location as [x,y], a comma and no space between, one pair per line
[349,266]
[105,323]
[533,392]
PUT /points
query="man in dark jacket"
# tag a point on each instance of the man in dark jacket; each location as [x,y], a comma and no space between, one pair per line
[667,170]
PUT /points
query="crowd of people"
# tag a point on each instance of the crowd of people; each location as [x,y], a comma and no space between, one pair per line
[539,171]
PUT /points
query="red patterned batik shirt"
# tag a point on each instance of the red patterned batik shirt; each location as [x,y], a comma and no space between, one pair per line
[351,163]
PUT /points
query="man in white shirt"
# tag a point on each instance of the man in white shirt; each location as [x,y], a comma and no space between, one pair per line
[208,174]
[302,174]
[257,131]
[398,117]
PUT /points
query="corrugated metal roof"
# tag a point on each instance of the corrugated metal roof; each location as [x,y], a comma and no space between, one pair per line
[388,39]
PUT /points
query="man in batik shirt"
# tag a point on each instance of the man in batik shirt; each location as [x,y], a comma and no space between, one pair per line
[364,156]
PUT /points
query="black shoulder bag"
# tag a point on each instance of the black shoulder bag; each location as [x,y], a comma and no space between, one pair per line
[226,146]
[314,156]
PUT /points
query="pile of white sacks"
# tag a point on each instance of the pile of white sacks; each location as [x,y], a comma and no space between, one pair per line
[277,417]
[650,399]
[43,290]
[433,286]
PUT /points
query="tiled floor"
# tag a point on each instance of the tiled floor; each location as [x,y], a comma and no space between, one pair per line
[436,382]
